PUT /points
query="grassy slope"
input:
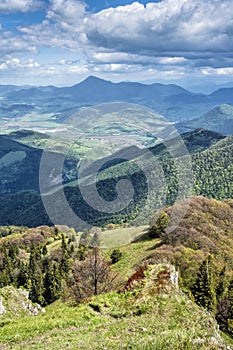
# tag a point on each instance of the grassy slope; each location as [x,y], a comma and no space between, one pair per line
[115,321]
[145,320]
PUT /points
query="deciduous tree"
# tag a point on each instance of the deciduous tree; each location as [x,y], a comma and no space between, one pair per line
[92,276]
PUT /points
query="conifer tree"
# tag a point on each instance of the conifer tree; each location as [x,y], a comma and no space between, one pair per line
[203,289]
[225,310]
[34,259]
[158,226]
[230,298]
[36,293]
[116,255]
[4,279]
[44,250]
[63,244]
[36,276]
[8,269]
[23,277]
[222,283]
[64,266]
[52,284]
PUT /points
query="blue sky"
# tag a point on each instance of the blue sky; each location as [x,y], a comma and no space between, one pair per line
[61,42]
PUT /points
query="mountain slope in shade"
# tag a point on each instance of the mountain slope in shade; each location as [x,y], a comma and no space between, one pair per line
[223,95]
[20,164]
[219,119]
[226,142]
[195,141]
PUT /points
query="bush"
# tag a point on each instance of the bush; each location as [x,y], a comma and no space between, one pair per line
[116,256]
[158,228]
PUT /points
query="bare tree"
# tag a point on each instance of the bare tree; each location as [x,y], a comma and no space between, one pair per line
[92,276]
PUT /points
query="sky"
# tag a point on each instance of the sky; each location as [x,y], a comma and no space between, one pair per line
[61,42]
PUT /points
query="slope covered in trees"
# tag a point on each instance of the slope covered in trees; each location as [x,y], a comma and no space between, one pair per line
[219,119]
[212,172]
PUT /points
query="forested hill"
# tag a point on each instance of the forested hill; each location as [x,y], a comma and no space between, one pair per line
[219,119]
[212,170]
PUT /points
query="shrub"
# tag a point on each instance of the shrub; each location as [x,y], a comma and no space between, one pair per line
[116,256]
[158,228]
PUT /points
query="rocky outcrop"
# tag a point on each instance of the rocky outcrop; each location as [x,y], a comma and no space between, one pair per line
[2,307]
[15,303]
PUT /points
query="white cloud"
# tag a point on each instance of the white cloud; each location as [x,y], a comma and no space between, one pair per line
[218,71]
[16,63]
[68,17]
[114,67]
[9,44]
[13,6]
[172,60]
[78,69]
[163,40]
[172,26]
[171,29]
[112,56]
[66,11]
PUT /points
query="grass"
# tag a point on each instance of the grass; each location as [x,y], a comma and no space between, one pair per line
[122,321]
[132,256]
[121,236]
[140,319]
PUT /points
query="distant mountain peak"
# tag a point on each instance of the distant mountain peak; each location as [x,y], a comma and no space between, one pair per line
[92,81]
[225,108]
[221,110]
[219,119]
[93,78]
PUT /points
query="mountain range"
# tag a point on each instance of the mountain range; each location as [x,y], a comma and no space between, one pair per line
[172,101]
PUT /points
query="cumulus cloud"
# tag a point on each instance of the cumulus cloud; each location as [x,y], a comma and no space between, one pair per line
[172,60]
[218,71]
[13,6]
[15,63]
[62,27]
[171,26]
[169,38]
[67,13]
[9,43]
